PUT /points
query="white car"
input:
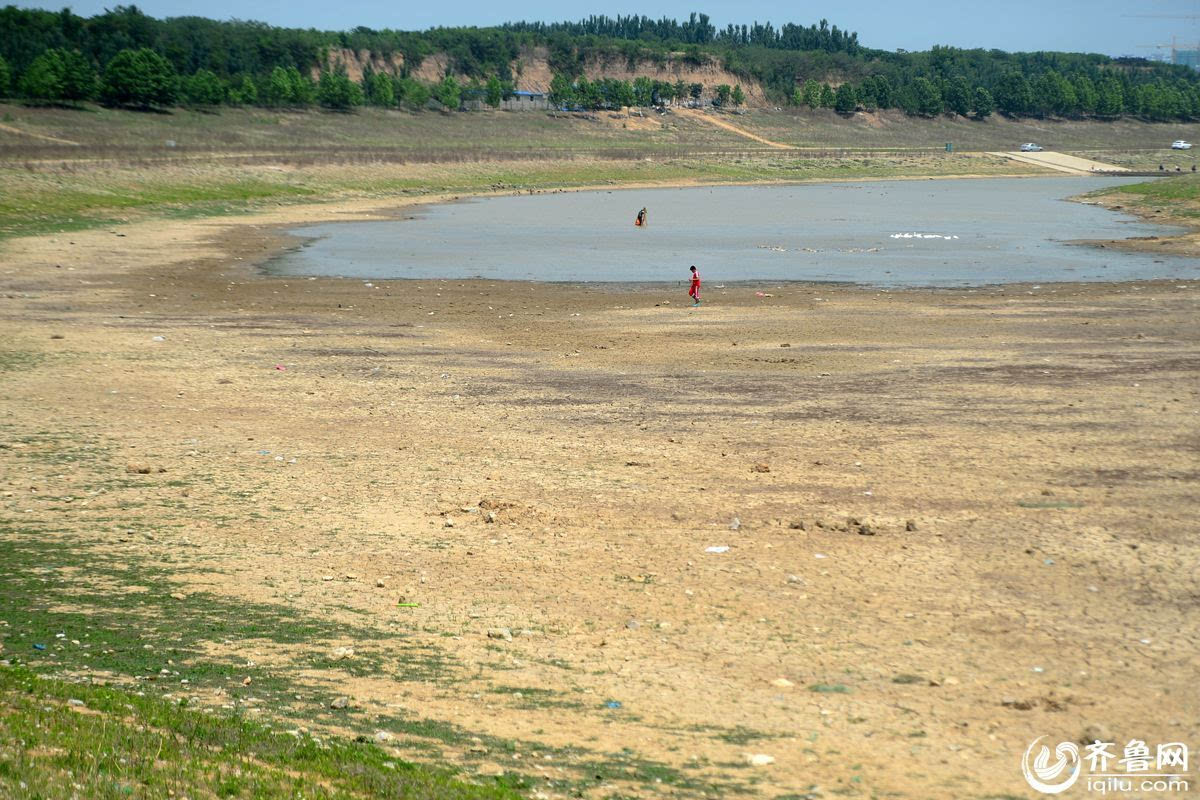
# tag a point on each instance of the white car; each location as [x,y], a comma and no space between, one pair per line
[1180,144]
[1030,147]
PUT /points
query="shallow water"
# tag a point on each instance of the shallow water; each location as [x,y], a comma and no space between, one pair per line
[885,233]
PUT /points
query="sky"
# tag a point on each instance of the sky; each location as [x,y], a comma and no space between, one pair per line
[1112,27]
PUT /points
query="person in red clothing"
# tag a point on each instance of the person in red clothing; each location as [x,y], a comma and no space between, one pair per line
[694,289]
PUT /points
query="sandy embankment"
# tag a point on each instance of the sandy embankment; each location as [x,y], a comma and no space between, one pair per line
[1042,442]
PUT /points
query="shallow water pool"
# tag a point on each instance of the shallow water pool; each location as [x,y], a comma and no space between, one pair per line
[886,233]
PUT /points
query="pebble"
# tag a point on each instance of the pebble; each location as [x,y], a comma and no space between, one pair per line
[794,579]
[383,736]
[782,683]
[633,624]
[735,524]
[340,702]
[74,702]
[759,759]
[797,525]
[500,633]
[342,653]
[910,525]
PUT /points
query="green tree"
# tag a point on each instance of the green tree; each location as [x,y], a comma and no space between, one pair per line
[664,92]
[79,78]
[1013,95]
[738,96]
[724,90]
[243,92]
[865,92]
[885,93]
[828,96]
[43,80]
[140,78]
[1086,95]
[379,90]
[926,98]
[203,89]
[810,95]
[845,101]
[643,91]
[1111,98]
[695,90]
[302,90]
[5,77]
[1053,94]
[957,96]
[278,89]
[982,105]
[59,75]
[448,93]
[495,91]
[416,94]
[681,90]
[562,92]
[336,91]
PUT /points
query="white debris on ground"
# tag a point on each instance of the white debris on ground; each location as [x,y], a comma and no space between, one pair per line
[922,236]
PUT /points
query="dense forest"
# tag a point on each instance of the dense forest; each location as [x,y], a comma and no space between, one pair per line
[126,58]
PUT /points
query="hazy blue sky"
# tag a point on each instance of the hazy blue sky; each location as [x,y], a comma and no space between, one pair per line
[1115,27]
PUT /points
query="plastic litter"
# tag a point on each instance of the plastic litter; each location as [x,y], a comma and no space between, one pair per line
[612,704]
[408,605]
[39,647]
[717,548]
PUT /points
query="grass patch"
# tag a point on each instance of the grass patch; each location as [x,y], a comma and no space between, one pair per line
[908,679]
[19,360]
[63,740]
[829,688]
[54,592]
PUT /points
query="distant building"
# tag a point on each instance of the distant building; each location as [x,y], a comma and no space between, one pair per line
[526,101]
[1189,58]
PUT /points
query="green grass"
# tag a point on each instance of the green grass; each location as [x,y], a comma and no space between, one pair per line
[20,360]
[1175,189]
[50,585]
[70,740]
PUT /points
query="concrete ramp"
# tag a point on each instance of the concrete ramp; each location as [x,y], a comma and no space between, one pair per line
[1072,165]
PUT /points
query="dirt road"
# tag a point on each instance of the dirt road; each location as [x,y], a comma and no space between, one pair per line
[714,119]
[956,520]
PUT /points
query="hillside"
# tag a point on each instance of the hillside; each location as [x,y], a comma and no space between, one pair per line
[126,59]
[532,72]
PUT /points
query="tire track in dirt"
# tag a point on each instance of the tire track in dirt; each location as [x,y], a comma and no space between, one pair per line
[43,137]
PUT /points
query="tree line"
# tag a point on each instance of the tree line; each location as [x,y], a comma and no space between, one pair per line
[125,57]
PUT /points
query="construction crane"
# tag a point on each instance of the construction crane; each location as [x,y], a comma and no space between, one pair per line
[1176,47]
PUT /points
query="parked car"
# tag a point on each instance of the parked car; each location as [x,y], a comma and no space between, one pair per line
[1030,147]
[1180,144]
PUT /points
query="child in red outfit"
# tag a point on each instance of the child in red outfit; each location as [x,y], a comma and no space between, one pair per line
[694,289]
